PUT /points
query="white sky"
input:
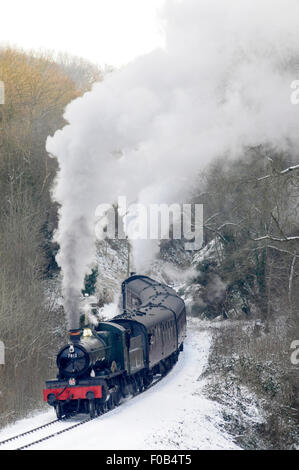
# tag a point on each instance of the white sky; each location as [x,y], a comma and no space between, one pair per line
[104,31]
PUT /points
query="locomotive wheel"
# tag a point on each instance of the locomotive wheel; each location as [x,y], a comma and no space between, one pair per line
[123,387]
[117,396]
[140,383]
[58,409]
[134,386]
[102,409]
[92,409]
[147,380]
[99,409]
[110,402]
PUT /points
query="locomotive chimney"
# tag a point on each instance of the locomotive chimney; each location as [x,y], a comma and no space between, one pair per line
[75,335]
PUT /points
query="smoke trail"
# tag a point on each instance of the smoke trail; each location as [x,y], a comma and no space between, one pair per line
[222,83]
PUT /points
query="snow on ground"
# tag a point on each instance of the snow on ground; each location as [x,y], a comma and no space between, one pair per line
[173,414]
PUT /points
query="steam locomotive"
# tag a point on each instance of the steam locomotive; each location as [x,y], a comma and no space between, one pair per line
[102,364]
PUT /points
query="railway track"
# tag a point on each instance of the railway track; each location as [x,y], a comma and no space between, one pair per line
[26,445]
[57,433]
[26,433]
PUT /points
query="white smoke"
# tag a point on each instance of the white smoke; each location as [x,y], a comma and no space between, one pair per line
[222,83]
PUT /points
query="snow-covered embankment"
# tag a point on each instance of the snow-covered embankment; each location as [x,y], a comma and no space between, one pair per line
[174,414]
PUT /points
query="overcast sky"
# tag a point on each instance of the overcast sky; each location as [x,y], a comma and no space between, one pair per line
[104,31]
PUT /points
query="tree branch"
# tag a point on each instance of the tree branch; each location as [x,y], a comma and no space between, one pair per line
[275,239]
[283,172]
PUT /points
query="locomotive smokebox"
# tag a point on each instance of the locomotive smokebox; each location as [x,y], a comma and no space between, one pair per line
[75,335]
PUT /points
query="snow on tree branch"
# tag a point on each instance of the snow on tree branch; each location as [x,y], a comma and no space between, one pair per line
[275,239]
[283,172]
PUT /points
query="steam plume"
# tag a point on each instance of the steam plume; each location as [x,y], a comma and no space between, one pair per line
[222,83]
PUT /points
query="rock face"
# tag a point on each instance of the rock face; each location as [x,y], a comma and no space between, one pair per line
[194,275]
[202,288]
